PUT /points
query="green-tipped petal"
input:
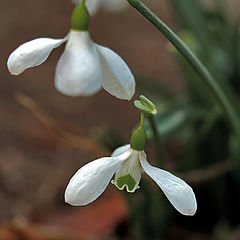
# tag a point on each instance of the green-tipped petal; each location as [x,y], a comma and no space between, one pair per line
[129,174]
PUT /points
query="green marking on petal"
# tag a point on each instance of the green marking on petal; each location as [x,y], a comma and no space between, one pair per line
[127,181]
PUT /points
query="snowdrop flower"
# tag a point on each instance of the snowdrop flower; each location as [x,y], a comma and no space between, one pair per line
[84,66]
[127,163]
[110,5]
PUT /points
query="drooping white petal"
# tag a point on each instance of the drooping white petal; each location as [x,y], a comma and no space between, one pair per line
[117,78]
[178,192]
[120,150]
[92,5]
[31,54]
[78,72]
[91,180]
[114,5]
[129,173]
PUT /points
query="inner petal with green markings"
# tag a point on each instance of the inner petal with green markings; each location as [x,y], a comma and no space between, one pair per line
[129,173]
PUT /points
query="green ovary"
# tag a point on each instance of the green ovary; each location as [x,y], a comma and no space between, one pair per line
[127,181]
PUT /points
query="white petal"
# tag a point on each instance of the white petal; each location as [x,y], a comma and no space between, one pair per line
[91,180]
[31,54]
[178,192]
[92,5]
[78,71]
[120,150]
[117,78]
[114,5]
[129,173]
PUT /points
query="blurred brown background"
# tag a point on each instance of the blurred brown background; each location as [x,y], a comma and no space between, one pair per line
[45,137]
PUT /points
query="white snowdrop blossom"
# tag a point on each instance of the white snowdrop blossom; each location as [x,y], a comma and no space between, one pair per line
[90,181]
[84,66]
[109,5]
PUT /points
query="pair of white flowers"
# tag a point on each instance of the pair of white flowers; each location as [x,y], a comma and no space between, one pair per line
[84,66]
[83,69]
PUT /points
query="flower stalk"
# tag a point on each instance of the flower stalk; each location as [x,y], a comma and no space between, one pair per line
[148,108]
[80,17]
[222,99]
[142,120]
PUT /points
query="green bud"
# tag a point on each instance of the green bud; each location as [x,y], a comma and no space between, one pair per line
[80,17]
[138,139]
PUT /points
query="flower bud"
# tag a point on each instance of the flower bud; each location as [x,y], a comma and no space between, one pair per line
[138,139]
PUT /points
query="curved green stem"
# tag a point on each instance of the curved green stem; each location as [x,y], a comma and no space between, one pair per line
[219,94]
[142,119]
